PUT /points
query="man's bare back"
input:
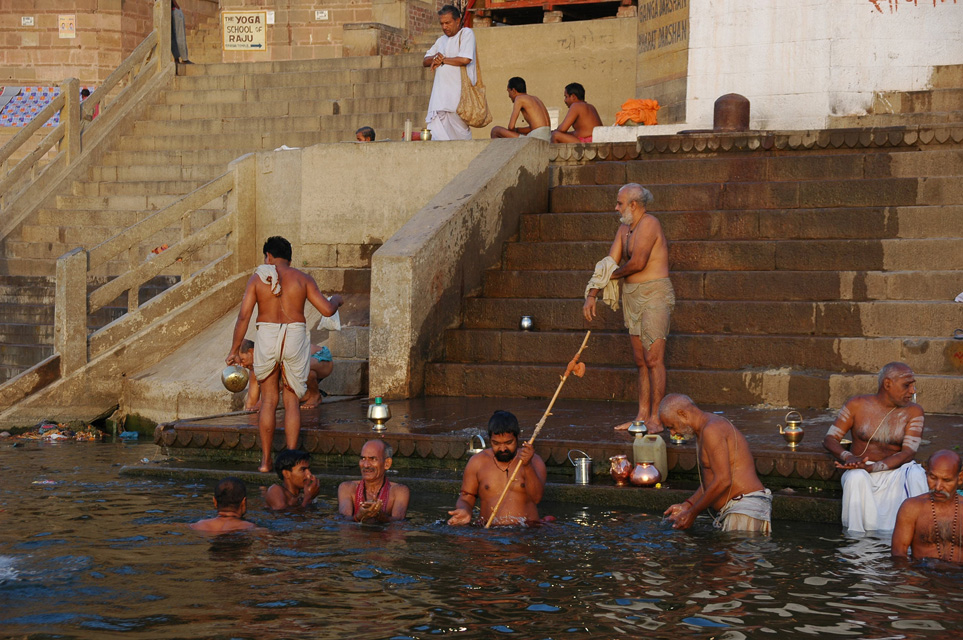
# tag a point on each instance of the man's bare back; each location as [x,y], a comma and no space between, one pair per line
[583,118]
[740,470]
[533,110]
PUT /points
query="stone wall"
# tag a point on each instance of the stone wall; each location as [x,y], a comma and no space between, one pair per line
[106,33]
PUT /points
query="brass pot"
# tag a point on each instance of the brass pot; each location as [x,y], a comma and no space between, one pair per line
[620,470]
[793,432]
[234,378]
[645,474]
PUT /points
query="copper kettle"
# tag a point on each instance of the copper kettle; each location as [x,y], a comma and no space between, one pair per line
[645,474]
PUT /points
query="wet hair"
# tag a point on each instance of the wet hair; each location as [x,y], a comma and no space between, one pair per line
[451,10]
[638,193]
[891,371]
[85,93]
[367,133]
[277,247]
[287,459]
[575,89]
[518,84]
[246,345]
[503,422]
[943,453]
[230,492]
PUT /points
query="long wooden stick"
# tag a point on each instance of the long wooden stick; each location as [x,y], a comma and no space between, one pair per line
[538,427]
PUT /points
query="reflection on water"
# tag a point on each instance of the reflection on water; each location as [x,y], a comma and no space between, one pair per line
[86,553]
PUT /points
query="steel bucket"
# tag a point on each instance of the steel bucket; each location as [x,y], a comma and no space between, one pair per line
[583,467]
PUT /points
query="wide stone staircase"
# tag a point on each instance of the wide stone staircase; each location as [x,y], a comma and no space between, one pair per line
[802,262]
[210,116]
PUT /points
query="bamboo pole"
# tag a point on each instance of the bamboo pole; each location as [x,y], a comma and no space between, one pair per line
[572,366]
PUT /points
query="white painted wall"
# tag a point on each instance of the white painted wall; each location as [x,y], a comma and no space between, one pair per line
[799,61]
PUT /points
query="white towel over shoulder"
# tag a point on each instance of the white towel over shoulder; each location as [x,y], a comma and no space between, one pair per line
[602,280]
[268,274]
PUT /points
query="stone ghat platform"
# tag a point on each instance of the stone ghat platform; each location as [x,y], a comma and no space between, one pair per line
[434,434]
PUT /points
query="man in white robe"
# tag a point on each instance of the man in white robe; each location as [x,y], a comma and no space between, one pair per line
[886,429]
[452,51]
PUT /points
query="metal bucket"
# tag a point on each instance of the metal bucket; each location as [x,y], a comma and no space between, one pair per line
[583,467]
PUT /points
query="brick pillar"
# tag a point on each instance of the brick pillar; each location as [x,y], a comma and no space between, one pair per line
[70,311]
[70,118]
[242,204]
[162,25]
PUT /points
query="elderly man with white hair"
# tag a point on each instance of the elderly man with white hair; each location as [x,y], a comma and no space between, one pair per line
[647,295]
[886,429]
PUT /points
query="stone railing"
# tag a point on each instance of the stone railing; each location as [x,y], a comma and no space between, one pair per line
[74,303]
[26,182]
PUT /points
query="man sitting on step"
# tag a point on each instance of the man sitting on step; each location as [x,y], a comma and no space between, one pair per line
[321,367]
[886,429]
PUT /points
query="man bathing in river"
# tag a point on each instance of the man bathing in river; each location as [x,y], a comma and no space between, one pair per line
[488,472]
[321,367]
[281,345]
[230,500]
[647,294]
[930,524]
[886,429]
[373,498]
[298,486]
[727,473]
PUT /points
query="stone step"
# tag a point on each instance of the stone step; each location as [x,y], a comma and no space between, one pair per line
[822,223]
[18,354]
[43,314]
[760,168]
[692,351]
[947,76]
[829,318]
[755,255]
[225,126]
[240,144]
[924,101]
[314,78]
[19,333]
[746,285]
[416,87]
[341,280]
[150,202]
[778,387]
[111,220]
[769,195]
[129,172]
[216,110]
[878,120]
[185,157]
[53,250]
[90,235]
[297,66]
[135,187]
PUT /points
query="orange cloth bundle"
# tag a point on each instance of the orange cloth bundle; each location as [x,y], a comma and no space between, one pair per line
[638,111]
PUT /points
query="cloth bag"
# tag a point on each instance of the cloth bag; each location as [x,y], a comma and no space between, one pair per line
[473,106]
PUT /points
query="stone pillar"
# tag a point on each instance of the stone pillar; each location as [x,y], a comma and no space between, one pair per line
[242,204]
[70,311]
[162,25]
[731,113]
[551,16]
[70,118]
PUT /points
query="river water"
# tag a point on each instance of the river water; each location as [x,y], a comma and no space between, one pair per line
[86,553]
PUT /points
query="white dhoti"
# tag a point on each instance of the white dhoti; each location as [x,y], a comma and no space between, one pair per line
[871,500]
[750,512]
[442,119]
[287,346]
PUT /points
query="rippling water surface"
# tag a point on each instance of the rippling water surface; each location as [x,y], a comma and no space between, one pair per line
[85,553]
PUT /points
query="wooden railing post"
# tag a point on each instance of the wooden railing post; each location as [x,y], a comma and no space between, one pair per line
[162,25]
[70,118]
[242,204]
[70,311]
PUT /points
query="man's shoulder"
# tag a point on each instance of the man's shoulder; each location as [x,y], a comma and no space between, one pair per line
[397,487]
[348,485]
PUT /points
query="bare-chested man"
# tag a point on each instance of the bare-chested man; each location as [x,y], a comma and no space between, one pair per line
[529,107]
[298,486]
[581,116]
[487,472]
[230,500]
[930,523]
[886,429]
[282,343]
[729,483]
[647,295]
[373,498]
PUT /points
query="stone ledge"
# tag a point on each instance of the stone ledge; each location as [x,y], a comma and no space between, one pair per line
[748,141]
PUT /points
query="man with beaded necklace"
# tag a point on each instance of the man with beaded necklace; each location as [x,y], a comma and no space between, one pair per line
[930,524]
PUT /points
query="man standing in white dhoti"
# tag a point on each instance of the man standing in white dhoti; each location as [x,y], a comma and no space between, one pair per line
[450,52]
[282,344]
[886,429]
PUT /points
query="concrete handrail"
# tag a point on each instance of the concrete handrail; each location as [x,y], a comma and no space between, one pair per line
[73,303]
[25,185]
[421,273]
